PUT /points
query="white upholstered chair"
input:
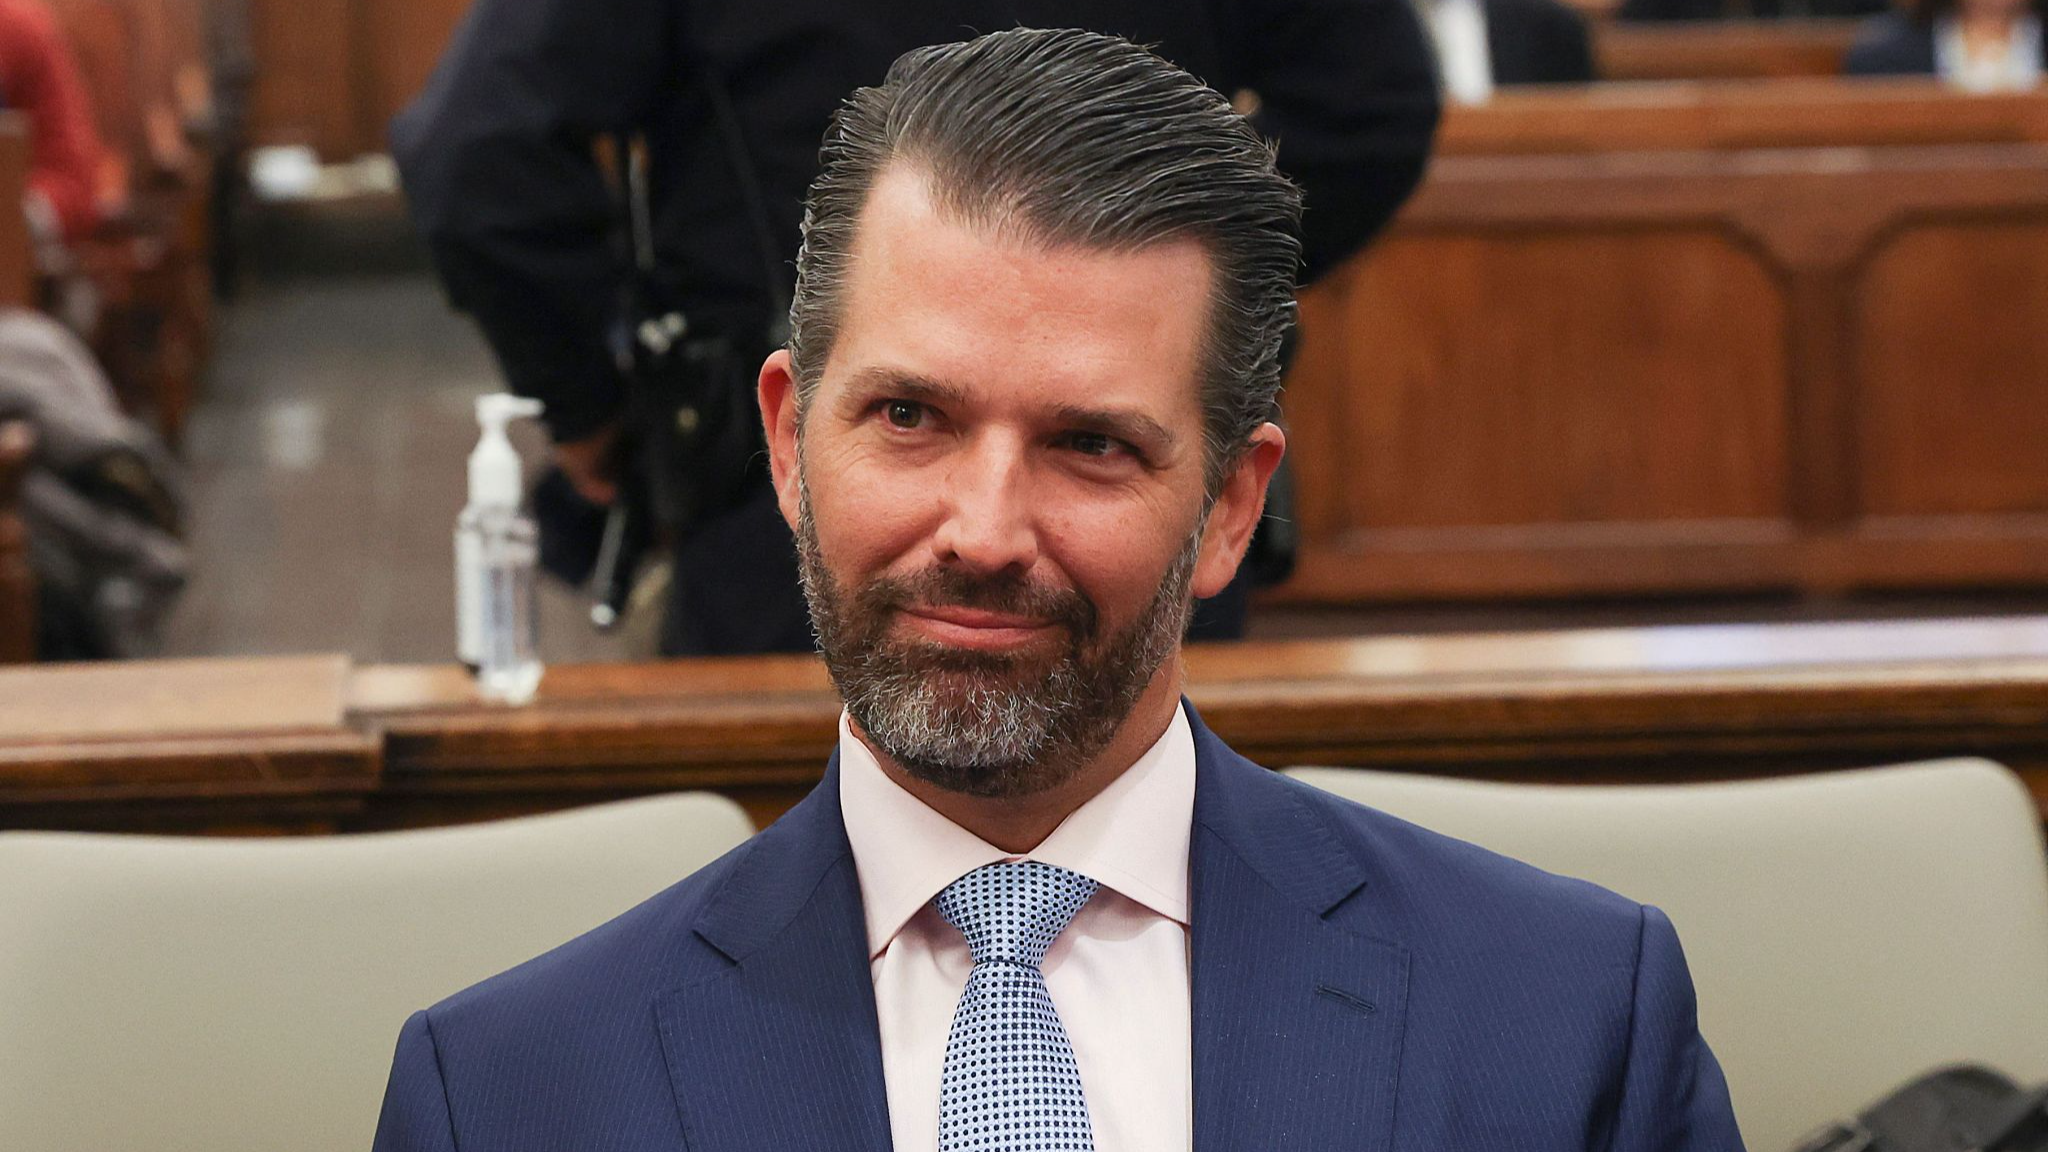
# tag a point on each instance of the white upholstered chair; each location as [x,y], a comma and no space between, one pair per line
[1845,930]
[211,995]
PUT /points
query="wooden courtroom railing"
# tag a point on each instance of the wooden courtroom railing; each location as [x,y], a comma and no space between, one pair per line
[1699,370]
[1597,119]
[1721,49]
[308,745]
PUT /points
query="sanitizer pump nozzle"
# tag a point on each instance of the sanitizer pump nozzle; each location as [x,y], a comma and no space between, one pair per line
[496,560]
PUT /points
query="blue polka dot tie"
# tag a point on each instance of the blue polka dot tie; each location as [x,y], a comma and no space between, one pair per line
[1010,1084]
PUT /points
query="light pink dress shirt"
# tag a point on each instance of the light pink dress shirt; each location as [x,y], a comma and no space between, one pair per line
[1118,975]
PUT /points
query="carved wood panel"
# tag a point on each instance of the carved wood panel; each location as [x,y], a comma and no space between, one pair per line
[1952,370]
[1683,371]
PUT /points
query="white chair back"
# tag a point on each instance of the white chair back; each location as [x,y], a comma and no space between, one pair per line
[1846,931]
[214,995]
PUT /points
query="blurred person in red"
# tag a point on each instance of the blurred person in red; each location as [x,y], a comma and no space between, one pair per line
[39,78]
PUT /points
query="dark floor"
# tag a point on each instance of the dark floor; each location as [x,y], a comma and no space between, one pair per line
[327,466]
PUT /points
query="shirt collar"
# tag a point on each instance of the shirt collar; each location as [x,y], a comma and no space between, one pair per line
[1132,837]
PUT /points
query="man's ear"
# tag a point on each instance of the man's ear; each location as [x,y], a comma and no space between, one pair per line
[776,390]
[1238,508]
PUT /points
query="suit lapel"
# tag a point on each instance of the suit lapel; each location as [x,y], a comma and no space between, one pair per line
[1297,1023]
[772,1042]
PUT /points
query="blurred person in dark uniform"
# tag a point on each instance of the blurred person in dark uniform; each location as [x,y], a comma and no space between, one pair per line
[1486,44]
[731,100]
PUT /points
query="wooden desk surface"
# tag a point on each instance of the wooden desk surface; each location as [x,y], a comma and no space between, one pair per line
[238,745]
[1609,704]
[311,745]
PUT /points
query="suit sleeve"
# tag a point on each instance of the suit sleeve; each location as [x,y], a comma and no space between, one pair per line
[415,1116]
[1674,1098]
[1348,90]
[498,170]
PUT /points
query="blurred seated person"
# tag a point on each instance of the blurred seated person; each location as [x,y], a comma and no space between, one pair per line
[39,78]
[1483,44]
[1974,45]
[1747,9]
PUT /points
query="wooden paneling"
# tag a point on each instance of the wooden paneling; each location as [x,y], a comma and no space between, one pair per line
[1721,49]
[1688,370]
[307,87]
[1952,382]
[332,73]
[415,746]
[1619,377]
[403,40]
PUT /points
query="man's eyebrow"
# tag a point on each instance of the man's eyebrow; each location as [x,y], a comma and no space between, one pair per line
[1134,427]
[870,383]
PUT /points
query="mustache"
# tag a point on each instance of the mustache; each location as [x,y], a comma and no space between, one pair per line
[1009,595]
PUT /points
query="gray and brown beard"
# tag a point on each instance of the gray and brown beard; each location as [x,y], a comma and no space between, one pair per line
[998,725]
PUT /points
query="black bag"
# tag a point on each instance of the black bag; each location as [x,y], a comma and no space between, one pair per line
[1966,1108]
[696,435]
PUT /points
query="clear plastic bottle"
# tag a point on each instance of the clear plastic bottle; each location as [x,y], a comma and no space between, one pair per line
[497,555]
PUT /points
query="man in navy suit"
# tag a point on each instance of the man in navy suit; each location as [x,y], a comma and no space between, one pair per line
[1023,419]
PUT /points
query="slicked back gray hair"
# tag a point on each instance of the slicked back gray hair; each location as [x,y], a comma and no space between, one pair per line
[1076,138]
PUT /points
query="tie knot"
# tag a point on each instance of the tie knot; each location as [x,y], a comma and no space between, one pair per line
[1013,911]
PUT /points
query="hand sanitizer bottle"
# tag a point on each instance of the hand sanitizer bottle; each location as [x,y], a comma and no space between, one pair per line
[497,557]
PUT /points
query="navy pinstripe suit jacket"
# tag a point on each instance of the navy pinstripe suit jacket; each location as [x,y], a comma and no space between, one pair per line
[1358,983]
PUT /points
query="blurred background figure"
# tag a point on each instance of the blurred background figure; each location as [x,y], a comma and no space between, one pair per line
[69,178]
[1484,43]
[1972,45]
[714,114]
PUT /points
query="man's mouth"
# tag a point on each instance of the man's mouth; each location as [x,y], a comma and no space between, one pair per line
[979,628]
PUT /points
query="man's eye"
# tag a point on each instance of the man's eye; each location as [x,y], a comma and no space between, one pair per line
[1095,444]
[903,413]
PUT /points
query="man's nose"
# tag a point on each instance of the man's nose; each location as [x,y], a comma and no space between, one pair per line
[989,524]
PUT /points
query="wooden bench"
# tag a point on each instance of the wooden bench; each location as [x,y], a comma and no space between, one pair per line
[144,62]
[1720,49]
[17,259]
[17,288]
[17,582]
[309,744]
[1687,365]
